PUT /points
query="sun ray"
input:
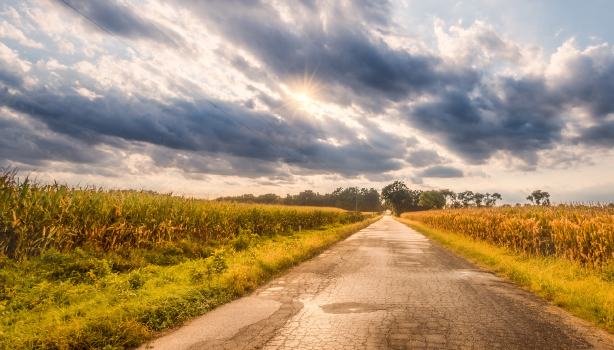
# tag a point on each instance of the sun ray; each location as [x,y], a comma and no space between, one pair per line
[302,92]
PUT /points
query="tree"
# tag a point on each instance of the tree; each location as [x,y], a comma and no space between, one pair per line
[395,196]
[400,199]
[432,200]
[465,198]
[478,198]
[449,196]
[370,200]
[539,198]
[491,199]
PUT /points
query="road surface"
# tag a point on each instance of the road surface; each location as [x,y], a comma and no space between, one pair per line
[386,287]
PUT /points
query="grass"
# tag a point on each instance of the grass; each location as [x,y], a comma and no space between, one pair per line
[87,299]
[585,292]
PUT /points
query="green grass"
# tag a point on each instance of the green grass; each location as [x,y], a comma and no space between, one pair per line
[584,292]
[87,299]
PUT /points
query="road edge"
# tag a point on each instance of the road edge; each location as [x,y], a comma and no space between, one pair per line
[465,247]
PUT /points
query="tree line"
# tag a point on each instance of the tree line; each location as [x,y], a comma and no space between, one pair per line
[396,196]
[400,199]
[351,198]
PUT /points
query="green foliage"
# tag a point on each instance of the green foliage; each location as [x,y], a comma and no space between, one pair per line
[44,306]
[401,199]
[136,280]
[539,197]
[469,199]
[349,198]
[432,200]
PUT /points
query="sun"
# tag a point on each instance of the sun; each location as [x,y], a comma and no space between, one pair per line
[302,97]
[302,92]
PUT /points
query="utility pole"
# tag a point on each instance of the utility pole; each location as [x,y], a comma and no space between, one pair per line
[357,199]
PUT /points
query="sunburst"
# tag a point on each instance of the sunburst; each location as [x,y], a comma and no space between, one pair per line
[302,92]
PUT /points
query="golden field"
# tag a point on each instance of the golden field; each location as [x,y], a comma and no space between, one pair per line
[580,233]
[35,218]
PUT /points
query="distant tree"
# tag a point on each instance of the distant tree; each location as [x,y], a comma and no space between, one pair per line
[450,196]
[491,199]
[399,199]
[432,200]
[395,196]
[269,198]
[478,198]
[465,198]
[347,198]
[370,200]
[539,197]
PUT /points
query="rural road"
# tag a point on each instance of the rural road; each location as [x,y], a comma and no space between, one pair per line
[386,287]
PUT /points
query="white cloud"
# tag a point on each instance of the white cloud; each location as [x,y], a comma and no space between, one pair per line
[86,93]
[7,30]
[10,59]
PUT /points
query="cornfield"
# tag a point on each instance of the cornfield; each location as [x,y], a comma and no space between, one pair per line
[36,217]
[577,232]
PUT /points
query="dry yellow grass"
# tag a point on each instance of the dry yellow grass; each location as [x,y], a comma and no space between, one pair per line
[580,233]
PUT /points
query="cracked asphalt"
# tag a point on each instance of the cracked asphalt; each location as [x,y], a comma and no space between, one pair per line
[386,287]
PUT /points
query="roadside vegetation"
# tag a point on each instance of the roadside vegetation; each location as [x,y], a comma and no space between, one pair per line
[86,268]
[583,234]
[563,253]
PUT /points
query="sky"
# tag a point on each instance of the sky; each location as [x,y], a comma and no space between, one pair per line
[213,98]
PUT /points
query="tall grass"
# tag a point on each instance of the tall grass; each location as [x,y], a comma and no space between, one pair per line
[580,233]
[36,217]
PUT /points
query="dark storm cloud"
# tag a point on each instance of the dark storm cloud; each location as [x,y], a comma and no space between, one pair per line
[113,15]
[341,48]
[424,157]
[601,135]
[196,133]
[119,18]
[25,143]
[10,78]
[441,171]
[465,115]
[589,83]
[526,120]
[467,110]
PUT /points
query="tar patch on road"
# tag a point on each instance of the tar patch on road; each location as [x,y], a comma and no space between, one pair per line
[350,308]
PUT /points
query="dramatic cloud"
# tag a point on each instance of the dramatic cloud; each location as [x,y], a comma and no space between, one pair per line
[441,172]
[202,95]
[424,157]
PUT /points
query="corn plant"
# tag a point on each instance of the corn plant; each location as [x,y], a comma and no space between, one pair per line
[36,217]
[582,233]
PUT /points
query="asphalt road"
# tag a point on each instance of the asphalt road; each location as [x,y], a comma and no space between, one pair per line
[386,287]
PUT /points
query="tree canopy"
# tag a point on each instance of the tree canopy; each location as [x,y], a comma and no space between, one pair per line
[432,200]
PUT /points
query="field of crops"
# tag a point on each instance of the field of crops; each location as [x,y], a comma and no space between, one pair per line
[35,218]
[581,233]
